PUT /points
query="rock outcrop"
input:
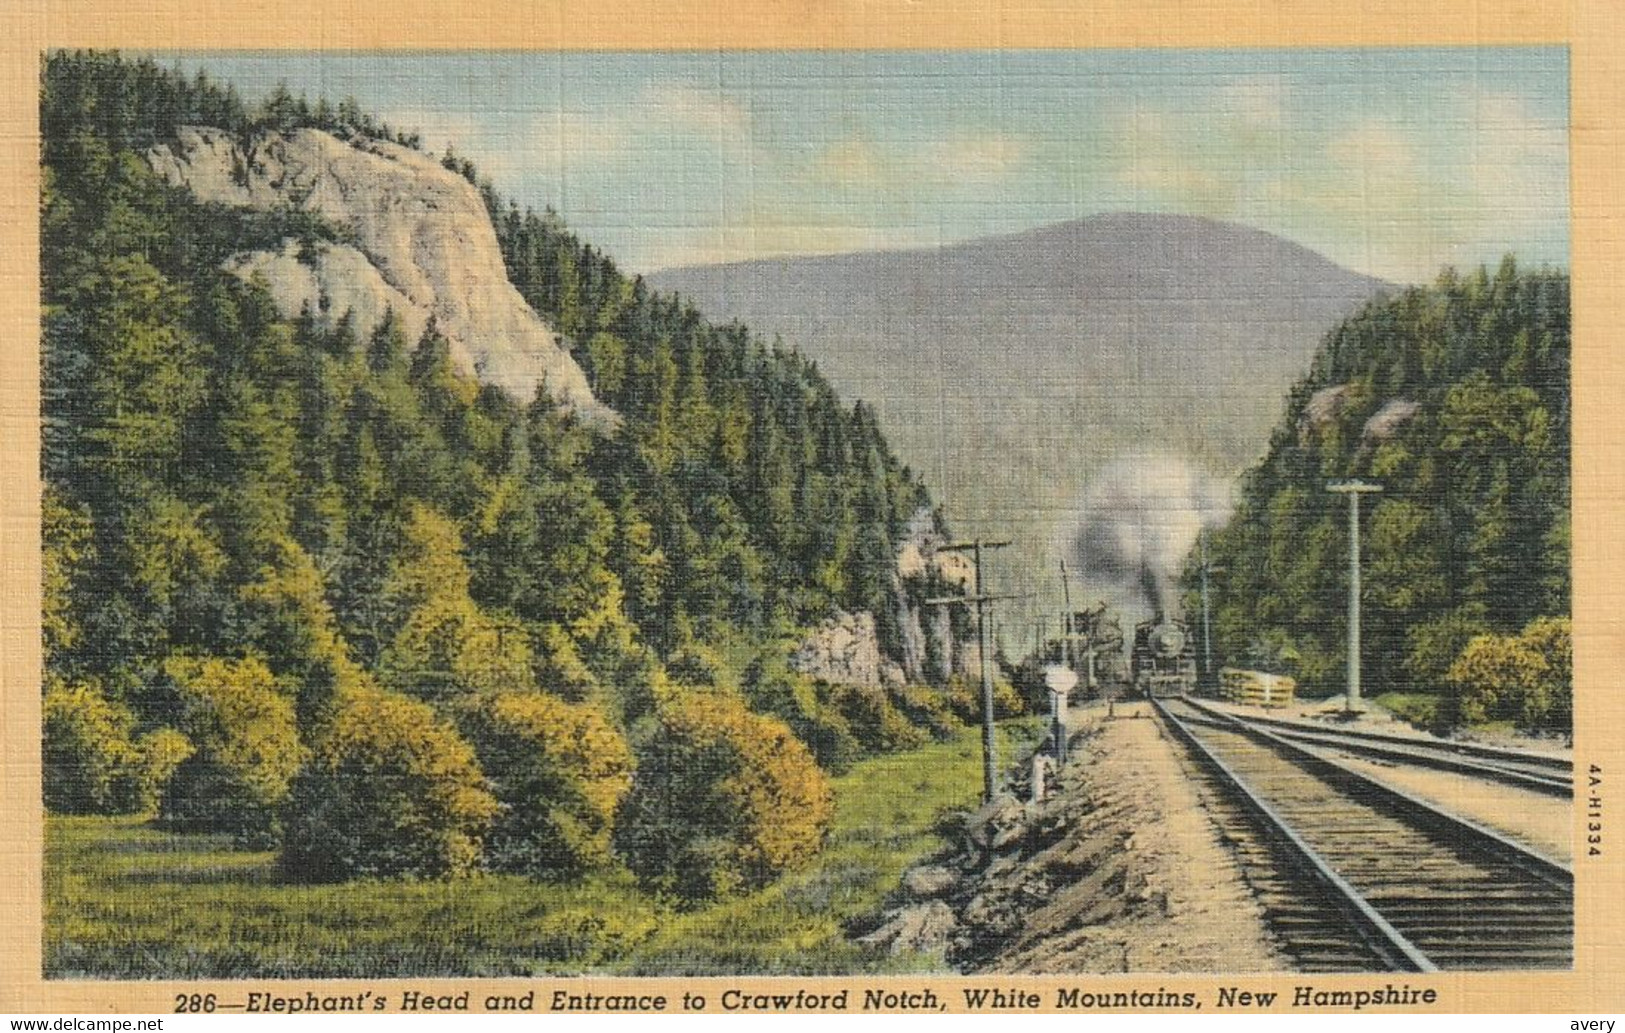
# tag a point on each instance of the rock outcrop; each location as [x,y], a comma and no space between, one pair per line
[423,246]
[1385,422]
[927,634]
[1323,407]
[844,650]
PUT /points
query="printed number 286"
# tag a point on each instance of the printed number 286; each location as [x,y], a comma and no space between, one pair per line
[194,1003]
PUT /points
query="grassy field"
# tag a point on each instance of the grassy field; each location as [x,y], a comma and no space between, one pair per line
[124,900]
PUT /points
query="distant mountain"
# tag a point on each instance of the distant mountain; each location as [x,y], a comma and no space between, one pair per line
[1007,369]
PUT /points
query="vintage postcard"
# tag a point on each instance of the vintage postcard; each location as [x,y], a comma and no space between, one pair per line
[856,510]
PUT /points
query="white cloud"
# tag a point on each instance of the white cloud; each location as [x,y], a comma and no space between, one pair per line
[854,161]
[692,110]
[982,156]
[769,235]
[1258,102]
[572,140]
[1374,166]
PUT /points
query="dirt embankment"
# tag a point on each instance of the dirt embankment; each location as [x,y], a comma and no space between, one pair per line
[1118,870]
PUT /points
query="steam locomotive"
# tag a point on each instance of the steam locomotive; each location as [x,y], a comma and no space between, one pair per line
[1163,660]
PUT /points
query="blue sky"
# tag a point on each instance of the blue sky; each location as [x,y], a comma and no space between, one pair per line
[1392,162]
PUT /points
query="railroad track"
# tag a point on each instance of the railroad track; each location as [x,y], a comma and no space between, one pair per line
[1553,776]
[1367,877]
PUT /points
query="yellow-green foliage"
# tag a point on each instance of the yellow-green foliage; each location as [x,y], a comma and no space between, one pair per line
[126,900]
[163,751]
[91,764]
[560,770]
[1527,678]
[773,688]
[964,697]
[724,798]
[66,533]
[926,707]
[246,744]
[446,645]
[290,622]
[391,789]
[873,720]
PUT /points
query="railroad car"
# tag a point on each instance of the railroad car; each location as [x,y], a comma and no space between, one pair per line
[1163,660]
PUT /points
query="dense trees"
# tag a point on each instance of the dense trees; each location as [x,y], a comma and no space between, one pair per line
[1455,398]
[309,582]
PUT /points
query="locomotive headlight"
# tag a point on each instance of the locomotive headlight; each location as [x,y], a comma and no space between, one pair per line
[1167,640]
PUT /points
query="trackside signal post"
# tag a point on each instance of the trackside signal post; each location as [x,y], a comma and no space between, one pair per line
[1354,489]
[984,647]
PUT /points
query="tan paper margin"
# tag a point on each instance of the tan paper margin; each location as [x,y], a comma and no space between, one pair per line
[1594,30]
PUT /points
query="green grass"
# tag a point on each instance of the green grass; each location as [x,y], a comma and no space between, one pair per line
[124,900]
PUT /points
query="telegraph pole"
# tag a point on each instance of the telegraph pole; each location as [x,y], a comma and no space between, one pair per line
[1207,620]
[1066,619]
[1354,489]
[982,601]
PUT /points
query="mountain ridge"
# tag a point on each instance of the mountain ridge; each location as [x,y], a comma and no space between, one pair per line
[1008,369]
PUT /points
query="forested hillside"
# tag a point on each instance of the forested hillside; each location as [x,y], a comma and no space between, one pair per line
[324,590]
[1455,399]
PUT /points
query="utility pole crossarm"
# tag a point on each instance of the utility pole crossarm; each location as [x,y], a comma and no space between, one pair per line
[949,600]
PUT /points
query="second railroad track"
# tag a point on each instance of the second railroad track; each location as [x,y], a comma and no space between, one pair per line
[1365,876]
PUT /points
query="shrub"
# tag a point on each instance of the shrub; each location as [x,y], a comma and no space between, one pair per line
[874,721]
[1553,639]
[964,696]
[246,744]
[1432,645]
[1526,679]
[390,790]
[926,707]
[724,799]
[773,688]
[163,751]
[559,770]
[91,764]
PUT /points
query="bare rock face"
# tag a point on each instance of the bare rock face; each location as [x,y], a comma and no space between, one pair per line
[424,246]
[843,650]
[920,556]
[1386,422]
[1323,407]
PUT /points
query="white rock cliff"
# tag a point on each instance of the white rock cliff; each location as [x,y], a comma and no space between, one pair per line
[424,246]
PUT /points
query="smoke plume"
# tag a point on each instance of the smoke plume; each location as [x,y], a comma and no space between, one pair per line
[1138,520]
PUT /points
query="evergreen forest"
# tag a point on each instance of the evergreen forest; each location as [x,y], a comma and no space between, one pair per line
[1454,399]
[322,591]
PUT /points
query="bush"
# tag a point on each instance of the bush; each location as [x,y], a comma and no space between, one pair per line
[163,751]
[559,770]
[246,744]
[91,764]
[964,697]
[773,688]
[873,720]
[927,708]
[1526,679]
[724,799]
[1431,646]
[390,790]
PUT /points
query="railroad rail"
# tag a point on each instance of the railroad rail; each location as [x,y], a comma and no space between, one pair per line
[1391,882]
[1541,773]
